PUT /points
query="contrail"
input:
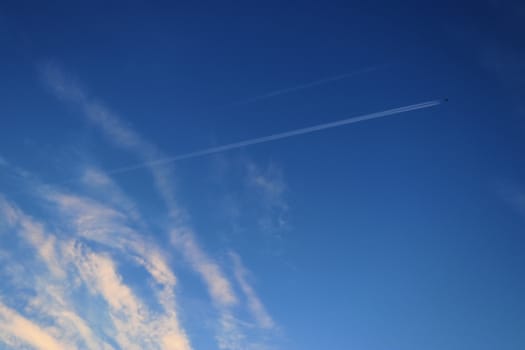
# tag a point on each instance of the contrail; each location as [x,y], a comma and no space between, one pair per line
[282,135]
[304,86]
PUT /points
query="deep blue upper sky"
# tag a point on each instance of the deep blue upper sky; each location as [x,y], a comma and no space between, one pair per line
[397,233]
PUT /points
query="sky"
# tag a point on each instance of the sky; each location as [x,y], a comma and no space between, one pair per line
[262,175]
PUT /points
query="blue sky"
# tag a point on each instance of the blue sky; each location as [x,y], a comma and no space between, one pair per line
[401,232]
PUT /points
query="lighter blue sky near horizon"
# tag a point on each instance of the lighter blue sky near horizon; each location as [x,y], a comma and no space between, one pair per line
[403,232]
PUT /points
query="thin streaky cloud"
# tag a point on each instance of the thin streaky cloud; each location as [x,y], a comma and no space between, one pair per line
[282,135]
[255,305]
[217,284]
[130,320]
[49,297]
[27,331]
[304,86]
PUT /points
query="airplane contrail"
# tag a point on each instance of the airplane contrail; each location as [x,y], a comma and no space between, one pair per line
[282,135]
[304,86]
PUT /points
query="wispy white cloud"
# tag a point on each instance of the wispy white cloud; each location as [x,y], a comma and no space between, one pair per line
[255,305]
[9,213]
[33,233]
[48,299]
[97,222]
[220,288]
[108,224]
[134,324]
[53,302]
[270,187]
[104,186]
[269,181]
[65,88]
[235,335]
[230,337]
[135,327]
[118,133]
[151,257]
[16,325]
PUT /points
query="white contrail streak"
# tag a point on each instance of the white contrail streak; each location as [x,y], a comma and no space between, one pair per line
[304,86]
[282,135]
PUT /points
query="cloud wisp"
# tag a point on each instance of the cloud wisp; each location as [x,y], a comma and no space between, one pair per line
[19,330]
[126,138]
[83,255]
[181,235]
[255,305]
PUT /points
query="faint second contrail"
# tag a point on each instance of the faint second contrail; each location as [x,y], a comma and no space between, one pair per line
[304,86]
[282,135]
